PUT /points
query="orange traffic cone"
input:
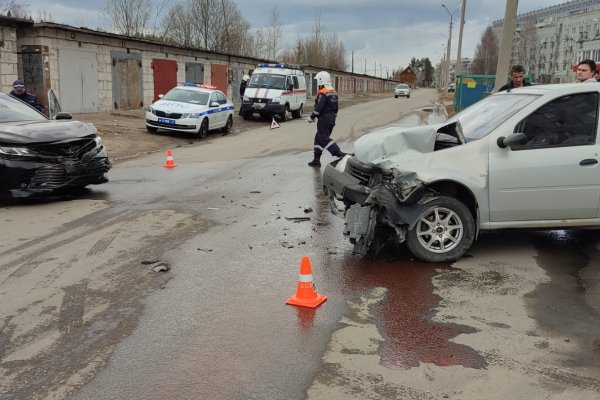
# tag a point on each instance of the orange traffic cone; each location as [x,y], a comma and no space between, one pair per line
[170,163]
[306,295]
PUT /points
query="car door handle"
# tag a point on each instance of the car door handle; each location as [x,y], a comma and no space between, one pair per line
[588,161]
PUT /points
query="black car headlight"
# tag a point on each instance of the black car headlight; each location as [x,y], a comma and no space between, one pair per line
[16,152]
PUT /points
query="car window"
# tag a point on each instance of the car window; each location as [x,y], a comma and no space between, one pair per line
[273,81]
[187,96]
[221,98]
[402,87]
[567,121]
[481,118]
[13,110]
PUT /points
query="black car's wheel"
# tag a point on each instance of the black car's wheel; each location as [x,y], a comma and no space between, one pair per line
[298,113]
[151,129]
[203,129]
[443,233]
[285,113]
[228,125]
[246,116]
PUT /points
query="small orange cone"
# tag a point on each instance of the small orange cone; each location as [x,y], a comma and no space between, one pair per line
[170,163]
[306,295]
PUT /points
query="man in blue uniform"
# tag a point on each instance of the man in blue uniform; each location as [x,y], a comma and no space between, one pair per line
[20,93]
[326,108]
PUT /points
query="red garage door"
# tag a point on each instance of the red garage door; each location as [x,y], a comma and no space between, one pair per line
[165,76]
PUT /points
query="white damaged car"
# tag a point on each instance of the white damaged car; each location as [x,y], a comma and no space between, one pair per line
[193,108]
[525,158]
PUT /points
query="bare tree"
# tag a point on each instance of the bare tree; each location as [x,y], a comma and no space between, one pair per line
[128,17]
[13,8]
[272,36]
[319,49]
[486,53]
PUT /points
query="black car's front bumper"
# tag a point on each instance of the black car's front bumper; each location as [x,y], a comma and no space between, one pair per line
[24,178]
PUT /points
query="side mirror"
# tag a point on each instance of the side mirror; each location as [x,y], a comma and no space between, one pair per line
[63,115]
[160,96]
[515,138]
[215,104]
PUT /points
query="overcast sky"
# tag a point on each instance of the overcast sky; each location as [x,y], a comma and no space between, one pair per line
[384,33]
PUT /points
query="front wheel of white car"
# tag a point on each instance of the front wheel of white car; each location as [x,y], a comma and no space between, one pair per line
[443,233]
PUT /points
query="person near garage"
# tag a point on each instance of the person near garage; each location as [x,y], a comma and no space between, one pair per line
[243,86]
[326,108]
[20,93]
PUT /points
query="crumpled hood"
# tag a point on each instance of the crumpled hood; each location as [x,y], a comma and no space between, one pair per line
[399,143]
[44,132]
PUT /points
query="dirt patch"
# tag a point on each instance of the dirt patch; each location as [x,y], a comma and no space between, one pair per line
[125,136]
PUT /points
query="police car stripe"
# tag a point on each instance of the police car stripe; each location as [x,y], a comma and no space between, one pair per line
[217,110]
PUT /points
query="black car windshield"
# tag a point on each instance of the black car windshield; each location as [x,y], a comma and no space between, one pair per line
[481,118]
[13,110]
[272,81]
[187,96]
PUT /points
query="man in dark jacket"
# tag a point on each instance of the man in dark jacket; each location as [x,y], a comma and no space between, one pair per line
[326,109]
[20,93]
[516,78]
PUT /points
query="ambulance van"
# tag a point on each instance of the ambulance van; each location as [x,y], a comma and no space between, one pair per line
[275,90]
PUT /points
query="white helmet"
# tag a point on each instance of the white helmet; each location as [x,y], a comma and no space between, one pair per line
[246,78]
[323,78]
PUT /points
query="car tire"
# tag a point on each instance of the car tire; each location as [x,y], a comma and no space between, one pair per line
[228,125]
[202,131]
[284,114]
[151,129]
[408,97]
[246,116]
[395,97]
[443,232]
[298,113]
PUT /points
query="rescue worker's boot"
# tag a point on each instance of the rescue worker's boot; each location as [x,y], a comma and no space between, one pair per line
[316,162]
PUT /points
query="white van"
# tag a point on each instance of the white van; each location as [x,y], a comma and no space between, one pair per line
[275,90]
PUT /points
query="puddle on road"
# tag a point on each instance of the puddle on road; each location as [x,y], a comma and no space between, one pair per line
[404,320]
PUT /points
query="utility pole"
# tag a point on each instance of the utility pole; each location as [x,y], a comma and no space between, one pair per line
[508,32]
[352,61]
[460,36]
[451,14]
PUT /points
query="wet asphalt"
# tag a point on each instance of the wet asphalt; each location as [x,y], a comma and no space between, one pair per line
[219,327]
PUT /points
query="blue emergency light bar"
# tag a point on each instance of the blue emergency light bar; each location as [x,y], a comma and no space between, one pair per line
[274,65]
[202,85]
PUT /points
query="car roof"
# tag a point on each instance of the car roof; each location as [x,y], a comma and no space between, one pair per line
[565,88]
[197,87]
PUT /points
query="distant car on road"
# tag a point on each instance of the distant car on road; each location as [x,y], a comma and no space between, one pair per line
[194,108]
[41,156]
[527,158]
[402,90]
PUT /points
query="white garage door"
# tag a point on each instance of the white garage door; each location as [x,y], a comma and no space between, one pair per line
[78,80]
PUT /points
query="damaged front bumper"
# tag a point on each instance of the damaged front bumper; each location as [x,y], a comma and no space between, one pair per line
[379,205]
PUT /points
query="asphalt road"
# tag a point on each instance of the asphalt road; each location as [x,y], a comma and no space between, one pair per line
[83,318]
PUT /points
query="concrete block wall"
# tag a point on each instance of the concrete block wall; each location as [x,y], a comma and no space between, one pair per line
[9,70]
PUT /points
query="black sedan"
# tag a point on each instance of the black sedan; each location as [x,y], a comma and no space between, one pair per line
[41,156]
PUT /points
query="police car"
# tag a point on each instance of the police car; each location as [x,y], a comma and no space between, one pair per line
[191,107]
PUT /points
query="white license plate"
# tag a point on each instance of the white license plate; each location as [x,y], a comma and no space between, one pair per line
[166,121]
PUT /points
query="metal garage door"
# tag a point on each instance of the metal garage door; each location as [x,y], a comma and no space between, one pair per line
[78,80]
[165,76]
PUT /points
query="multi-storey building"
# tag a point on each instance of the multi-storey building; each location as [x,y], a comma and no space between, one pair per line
[548,42]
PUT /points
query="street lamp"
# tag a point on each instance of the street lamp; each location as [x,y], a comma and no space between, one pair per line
[451,14]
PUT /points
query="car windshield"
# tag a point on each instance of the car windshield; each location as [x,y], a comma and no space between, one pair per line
[402,87]
[187,96]
[272,81]
[481,118]
[13,110]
